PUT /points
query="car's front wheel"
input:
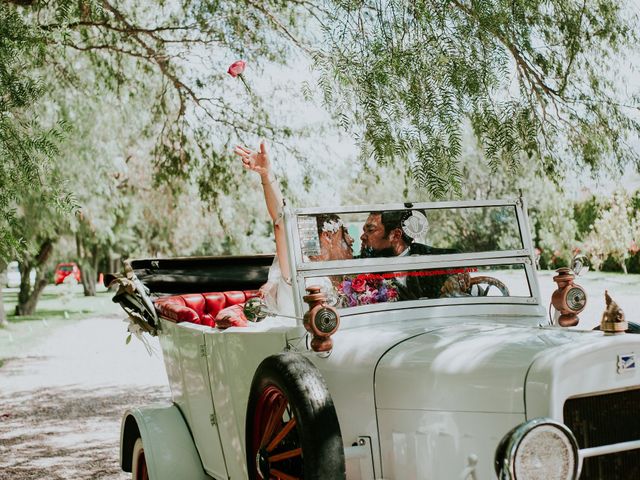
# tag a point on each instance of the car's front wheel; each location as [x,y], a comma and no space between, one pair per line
[139,466]
[292,426]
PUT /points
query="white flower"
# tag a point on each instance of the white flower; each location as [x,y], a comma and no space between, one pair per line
[332,226]
[137,331]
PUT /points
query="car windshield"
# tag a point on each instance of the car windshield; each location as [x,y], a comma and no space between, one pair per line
[65,268]
[383,254]
[443,230]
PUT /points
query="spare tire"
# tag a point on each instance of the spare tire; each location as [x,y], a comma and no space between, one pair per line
[292,429]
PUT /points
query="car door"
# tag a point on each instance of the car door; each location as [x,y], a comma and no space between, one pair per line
[197,395]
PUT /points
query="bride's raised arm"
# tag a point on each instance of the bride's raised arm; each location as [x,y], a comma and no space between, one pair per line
[258,161]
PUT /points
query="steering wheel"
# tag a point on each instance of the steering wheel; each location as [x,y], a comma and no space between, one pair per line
[462,284]
[477,282]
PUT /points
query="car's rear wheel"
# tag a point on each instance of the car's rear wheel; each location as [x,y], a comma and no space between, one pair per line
[139,464]
[292,427]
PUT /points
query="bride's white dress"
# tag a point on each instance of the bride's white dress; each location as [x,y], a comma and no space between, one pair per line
[278,294]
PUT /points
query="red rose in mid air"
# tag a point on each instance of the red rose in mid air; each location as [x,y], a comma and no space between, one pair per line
[236,68]
[358,284]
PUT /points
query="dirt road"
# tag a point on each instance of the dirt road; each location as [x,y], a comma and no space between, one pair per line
[61,404]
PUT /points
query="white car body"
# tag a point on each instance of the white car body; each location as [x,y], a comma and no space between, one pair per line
[422,390]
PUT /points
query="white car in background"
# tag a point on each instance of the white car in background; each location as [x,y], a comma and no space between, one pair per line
[474,381]
[13,275]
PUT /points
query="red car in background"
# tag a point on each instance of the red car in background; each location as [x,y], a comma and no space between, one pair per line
[63,270]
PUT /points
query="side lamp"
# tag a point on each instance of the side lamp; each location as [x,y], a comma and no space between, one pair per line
[321,321]
[569,298]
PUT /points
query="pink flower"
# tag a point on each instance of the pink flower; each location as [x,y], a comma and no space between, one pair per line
[633,248]
[392,294]
[236,68]
[369,297]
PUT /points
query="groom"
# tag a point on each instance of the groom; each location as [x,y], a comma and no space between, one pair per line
[391,234]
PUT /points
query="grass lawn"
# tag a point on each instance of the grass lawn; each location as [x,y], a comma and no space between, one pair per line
[58,306]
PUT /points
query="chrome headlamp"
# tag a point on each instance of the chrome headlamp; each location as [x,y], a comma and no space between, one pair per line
[540,449]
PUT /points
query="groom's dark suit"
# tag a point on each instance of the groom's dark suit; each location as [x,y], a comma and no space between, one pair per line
[423,286]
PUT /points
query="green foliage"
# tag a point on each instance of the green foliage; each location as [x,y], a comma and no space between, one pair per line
[411,73]
[585,214]
[27,148]
[152,115]
[614,235]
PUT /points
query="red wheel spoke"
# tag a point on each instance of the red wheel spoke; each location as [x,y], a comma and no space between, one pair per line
[272,423]
[280,436]
[271,401]
[282,476]
[284,455]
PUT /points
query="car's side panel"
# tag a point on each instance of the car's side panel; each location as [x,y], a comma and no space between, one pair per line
[197,394]
[171,357]
[234,356]
[169,449]
[432,445]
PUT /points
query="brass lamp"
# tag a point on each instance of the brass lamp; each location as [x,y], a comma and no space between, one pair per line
[321,321]
[569,298]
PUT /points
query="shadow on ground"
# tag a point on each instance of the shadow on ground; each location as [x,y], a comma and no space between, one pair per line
[67,432]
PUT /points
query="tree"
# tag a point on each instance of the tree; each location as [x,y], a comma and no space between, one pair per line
[148,50]
[3,280]
[614,233]
[27,147]
[532,76]
[39,224]
[404,75]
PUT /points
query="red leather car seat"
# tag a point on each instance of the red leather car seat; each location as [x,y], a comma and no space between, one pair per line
[200,308]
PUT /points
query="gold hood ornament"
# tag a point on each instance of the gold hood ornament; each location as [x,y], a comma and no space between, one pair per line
[613,320]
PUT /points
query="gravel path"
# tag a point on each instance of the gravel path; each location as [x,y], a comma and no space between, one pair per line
[61,404]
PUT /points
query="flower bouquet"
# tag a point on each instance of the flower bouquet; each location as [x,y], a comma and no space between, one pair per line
[365,289]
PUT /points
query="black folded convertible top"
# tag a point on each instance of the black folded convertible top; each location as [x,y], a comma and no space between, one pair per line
[202,274]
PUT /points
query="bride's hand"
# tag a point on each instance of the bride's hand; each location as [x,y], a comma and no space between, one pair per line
[256,161]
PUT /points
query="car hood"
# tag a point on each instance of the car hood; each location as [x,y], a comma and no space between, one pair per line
[471,367]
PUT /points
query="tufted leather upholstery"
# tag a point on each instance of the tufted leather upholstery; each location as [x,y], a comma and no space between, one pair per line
[200,308]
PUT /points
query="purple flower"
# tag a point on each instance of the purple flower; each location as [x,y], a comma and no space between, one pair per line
[382,294]
[345,287]
[353,300]
[369,296]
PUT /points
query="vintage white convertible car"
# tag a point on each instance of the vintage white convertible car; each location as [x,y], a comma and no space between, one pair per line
[440,363]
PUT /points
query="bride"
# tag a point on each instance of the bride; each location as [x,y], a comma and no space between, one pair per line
[335,241]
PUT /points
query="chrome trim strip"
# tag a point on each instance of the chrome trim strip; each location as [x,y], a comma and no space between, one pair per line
[607,449]
[401,206]
[414,260]
[443,261]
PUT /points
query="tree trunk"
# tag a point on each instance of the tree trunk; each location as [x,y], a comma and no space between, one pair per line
[88,278]
[28,305]
[28,297]
[87,273]
[3,282]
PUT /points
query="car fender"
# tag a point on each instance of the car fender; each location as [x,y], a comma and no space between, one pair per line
[168,445]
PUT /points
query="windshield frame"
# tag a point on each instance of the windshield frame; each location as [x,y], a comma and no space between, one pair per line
[300,270]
